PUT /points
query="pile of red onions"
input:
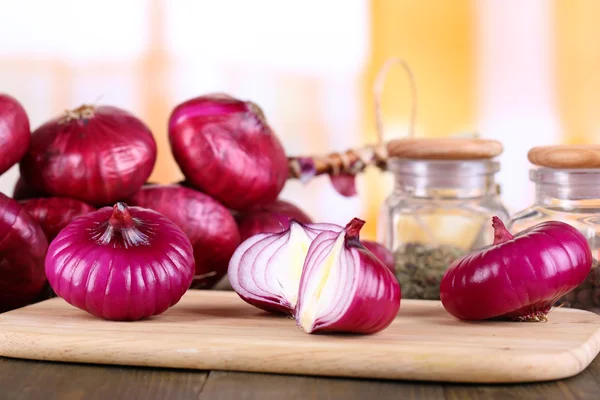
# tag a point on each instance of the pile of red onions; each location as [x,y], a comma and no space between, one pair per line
[14,132]
[98,155]
[520,277]
[22,250]
[274,217]
[319,273]
[209,226]
[121,263]
[225,148]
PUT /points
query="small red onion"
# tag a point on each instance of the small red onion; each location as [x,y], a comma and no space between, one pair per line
[15,135]
[54,213]
[225,148]
[98,155]
[344,287]
[265,269]
[209,226]
[121,263]
[22,250]
[381,252]
[22,191]
[271,218]
[520,277]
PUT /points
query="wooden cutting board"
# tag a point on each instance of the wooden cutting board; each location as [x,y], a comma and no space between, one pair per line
[218,331]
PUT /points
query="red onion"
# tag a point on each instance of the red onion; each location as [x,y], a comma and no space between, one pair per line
[344,287]
[94,154]
[381,252]
[225,148]
[274,217]
[14,132]
[265,269]
[22,250]
[121,263]
[209,226]
[22,191]
[518,277]
[55,213]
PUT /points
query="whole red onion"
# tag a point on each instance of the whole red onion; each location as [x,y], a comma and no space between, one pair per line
[54,213]
[94,154]
[22,250]
[344,287]
[209,226]
[518,277]
[225,148]
[23,191]
[381,252]
[274,217]
[121,263]
[15,135]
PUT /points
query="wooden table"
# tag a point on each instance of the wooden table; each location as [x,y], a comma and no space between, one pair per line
[25,380]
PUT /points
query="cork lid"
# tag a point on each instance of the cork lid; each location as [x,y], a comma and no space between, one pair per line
[444,148]
[566,156]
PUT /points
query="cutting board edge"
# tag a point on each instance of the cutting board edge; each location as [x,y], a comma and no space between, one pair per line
[578,360]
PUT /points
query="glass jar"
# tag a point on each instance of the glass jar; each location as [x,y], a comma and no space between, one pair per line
[571,196]
[439,210]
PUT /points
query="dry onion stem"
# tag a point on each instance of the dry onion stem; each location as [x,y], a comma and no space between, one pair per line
[352,161]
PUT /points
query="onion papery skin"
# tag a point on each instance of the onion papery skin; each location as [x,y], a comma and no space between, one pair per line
[98,155]
[358,293]
[121,263]
[381,252]
[518,278]
[208,224]
[15,135]
[53,214]
[265,269]
[23,191]
[272,218]
[23,247]
[225,148]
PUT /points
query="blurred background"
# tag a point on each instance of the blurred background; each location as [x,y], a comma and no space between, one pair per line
[525,73]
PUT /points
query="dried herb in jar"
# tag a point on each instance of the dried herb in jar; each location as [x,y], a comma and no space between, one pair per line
[587,295]
[420,268]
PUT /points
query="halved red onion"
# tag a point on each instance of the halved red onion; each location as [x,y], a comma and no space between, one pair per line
[15,135]
[98,155]
[208,224]
[274,217]
[226,148]
[344,287]
[23,247]
[121,263]
[265,269]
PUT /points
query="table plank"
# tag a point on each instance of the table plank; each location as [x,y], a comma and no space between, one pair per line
[250,386]
[25,380]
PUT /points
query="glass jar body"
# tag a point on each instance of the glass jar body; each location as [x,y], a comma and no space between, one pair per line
[439,211]
[573,197]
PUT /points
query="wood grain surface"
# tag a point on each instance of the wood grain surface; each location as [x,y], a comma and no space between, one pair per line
[211,330]
[565,156]
[444,148]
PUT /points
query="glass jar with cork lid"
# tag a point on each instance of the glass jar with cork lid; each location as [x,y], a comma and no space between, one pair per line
[444,198]
[567,187]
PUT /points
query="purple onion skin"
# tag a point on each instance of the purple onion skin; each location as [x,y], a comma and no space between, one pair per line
[121,263]
[22,191]
[54,213]
[381,252]
[22,250]
[225,148]
[375,293]
[271,218]
[517,278]
[102,155]
[15,135]
[209,226]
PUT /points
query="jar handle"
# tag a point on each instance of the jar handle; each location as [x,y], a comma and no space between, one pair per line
[378,91]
